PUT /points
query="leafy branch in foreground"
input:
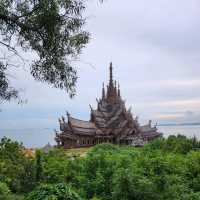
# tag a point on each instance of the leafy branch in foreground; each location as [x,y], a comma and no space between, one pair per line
[53,29]
[6,92]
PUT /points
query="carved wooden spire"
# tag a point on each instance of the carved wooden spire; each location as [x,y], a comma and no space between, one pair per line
[112,93]
[111,75]
[115,85]
[119,92]
[103,92]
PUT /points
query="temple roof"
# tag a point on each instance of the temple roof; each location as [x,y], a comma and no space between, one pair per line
[84,131]
[109,119]
[152,134]
[147,128]
[77,123]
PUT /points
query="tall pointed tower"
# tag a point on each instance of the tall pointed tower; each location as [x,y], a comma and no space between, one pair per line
[111,95]
[111,116]
[109,122]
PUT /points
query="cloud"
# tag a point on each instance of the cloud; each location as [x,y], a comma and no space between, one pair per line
[178,117]
[154,46]
[169,116]
[170,83]
[192,103]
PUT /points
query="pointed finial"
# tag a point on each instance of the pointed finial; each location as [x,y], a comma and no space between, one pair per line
[111,73]
[59,120]
[63,119]
[119,90]
[67,113]
[103,92]
[91,107]
[150,123]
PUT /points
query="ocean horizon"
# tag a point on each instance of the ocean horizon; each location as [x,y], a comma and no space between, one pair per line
[39,137]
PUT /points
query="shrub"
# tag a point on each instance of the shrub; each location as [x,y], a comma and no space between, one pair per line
[53,192]
[5,193]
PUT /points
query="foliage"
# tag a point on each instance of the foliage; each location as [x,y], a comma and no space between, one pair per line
[166,169]
[53,192]
[4,192]
[177,144]
[6,92]
[39,169]
[53,30]
[16,170]
[55,166]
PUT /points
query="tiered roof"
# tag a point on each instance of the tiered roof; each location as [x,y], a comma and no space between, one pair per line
[111,115]
[111,119]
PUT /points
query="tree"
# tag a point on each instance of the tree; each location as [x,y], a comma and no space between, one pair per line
[5,193]
[53,29]
[6,91]
[16,170]
[53,192]
[38,174]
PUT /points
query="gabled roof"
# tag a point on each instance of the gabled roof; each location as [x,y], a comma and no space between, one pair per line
[147,128]
[77,123]
[84,131]
[152,134]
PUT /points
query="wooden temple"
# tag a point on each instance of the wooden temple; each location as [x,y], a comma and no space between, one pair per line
[111,122]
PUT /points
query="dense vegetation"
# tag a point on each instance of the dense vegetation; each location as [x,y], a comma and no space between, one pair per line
[166,169]
[52,30]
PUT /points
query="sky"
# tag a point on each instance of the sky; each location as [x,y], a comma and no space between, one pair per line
[154,47]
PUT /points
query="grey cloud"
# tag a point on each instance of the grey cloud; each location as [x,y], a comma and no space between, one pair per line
[178,117]
[149,42]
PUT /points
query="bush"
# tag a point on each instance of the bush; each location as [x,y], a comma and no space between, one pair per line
[16,170]
[53,192]
[5,193]
[166,169]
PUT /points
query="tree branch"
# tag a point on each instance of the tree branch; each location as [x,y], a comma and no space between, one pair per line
[9,47]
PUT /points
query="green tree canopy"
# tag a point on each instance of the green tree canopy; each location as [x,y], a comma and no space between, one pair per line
[53,192]
[16,170]
[106,172]
[53,29]
[5,193]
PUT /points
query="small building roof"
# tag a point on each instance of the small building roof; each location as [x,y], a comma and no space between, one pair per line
[47,148]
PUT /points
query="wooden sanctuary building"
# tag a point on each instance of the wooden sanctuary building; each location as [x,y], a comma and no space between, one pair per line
[110,122]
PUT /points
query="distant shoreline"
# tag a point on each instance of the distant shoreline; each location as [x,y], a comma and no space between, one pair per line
[52,129]
[181,124]
[39,137]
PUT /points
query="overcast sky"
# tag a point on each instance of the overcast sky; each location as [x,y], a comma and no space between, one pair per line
[155,49]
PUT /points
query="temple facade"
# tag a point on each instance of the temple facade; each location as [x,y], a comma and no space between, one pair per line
[110,122]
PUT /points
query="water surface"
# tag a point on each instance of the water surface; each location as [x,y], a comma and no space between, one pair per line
[40,137]
[189,131]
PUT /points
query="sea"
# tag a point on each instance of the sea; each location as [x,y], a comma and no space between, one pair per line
[37,138]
